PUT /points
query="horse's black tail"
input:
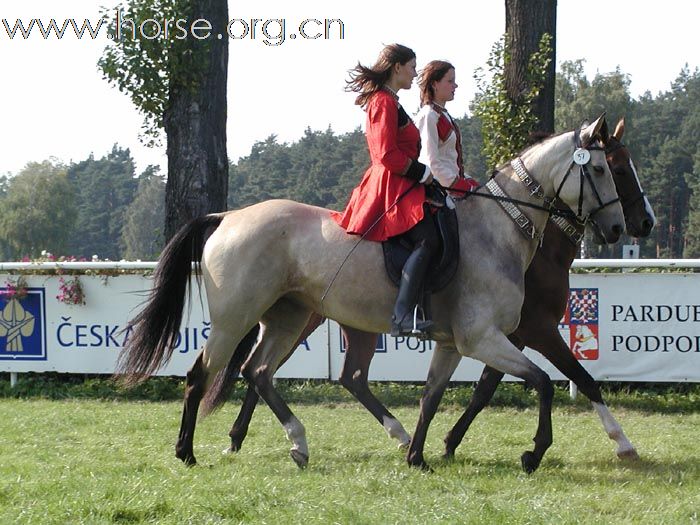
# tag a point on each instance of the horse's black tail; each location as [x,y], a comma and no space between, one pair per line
[155,329]
[221,387]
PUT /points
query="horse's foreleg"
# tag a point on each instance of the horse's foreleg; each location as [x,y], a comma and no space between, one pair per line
[239,430]
[359,351]
[554,348]
[485,388]
[442,366]
[496,351]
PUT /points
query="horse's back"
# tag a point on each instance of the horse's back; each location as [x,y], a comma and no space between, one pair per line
[278,243]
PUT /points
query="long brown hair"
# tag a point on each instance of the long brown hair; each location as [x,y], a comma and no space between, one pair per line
[368,80]
[432,72]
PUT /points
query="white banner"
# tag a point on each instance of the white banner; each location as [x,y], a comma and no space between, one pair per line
[623,327]
[39,333]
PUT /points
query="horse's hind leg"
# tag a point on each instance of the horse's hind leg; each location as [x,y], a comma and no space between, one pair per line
[216,352]
[485,388]
[360,347]
[194,390]
[281,326]
[239,430]
[554,348]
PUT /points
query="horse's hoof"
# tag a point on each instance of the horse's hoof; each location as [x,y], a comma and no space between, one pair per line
[301,459]
[187,459]
[628,455]
[404,445]
[448,455]
[235,447]
[228,451]
[420,464]
[529,462]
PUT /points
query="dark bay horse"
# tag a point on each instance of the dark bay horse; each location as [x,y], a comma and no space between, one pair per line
[276,262]
[546,292]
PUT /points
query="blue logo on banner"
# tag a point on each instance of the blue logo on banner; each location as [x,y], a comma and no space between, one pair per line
[380,347]
[22,326]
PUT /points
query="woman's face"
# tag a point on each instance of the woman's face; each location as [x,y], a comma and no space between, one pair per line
[444,89]
[403,74]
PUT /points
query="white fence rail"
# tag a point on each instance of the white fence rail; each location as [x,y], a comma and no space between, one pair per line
[150,265]
[623,326]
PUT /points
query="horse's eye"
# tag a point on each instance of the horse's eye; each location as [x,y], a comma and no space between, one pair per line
[599,170]
[619,171]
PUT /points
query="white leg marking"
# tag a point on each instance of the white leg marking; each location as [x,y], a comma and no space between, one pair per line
[625,449]
[395,430]
[297,435]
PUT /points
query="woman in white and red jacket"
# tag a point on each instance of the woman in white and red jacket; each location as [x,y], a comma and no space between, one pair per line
[441,144]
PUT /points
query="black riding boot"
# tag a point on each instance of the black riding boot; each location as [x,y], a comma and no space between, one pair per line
[412,277]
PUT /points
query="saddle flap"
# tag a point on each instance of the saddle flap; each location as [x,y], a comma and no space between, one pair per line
[443,265]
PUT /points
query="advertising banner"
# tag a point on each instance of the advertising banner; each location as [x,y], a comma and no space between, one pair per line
[620,326]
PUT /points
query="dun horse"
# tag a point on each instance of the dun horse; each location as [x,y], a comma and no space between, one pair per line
[546,292]
[276,262]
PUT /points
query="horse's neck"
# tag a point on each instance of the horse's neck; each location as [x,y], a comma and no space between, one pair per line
[557,247]
[543,164]
[548,161]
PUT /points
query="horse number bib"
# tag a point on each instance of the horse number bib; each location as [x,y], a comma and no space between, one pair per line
[582,156]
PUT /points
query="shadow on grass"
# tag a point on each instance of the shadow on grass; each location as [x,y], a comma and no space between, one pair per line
[586,471]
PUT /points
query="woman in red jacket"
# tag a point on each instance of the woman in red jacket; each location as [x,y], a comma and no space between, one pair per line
[390,199]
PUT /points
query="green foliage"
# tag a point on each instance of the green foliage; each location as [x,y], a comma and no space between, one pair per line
[321,168]
[644,397]
[142,234]
[665,142]
[103,188]
[506,123]
[146,69]
[473,157]
[38,210]
[577,99]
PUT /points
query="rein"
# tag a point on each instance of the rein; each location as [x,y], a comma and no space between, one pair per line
[570,222]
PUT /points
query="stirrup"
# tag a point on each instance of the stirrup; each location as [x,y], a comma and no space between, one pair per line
[414,328]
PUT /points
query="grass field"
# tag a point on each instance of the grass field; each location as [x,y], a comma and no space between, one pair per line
[112,461]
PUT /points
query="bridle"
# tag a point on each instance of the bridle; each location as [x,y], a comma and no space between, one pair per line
[572,223]
[612,145]
[581,157]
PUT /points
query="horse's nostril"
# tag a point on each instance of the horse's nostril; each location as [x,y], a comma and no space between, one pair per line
[647,226]
[617,229]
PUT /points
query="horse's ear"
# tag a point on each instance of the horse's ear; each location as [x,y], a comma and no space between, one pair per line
[620,129]
[590,132]
[604,134]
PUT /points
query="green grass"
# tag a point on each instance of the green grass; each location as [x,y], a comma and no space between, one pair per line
[112,461]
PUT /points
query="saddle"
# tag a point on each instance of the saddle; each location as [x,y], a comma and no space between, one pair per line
[444,264]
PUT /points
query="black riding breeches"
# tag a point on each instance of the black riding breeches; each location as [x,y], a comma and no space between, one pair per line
[424,233]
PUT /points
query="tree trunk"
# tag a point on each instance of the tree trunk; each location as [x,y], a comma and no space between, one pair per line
[195,125]
[526,22]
